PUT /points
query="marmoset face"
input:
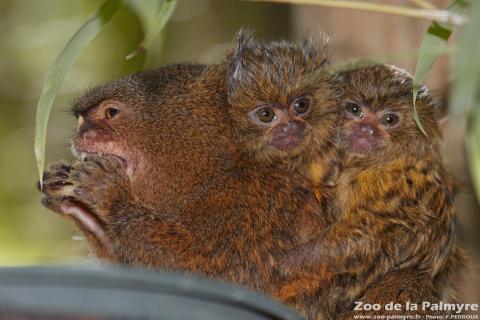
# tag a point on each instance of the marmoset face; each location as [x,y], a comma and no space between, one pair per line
[162,130]
[102,128]
[377,107]
[278,108]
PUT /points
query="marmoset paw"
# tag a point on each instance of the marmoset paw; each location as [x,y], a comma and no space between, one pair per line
[96,184]
[55,180]
[85,192]
[99,183]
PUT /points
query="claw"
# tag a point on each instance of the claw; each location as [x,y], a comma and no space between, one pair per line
[60,184]
[62,175]
[51,203]
[46,202]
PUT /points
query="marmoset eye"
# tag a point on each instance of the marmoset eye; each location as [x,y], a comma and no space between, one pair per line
[111,112]
[301,105]
[265,114]
[389,120]
[354,109]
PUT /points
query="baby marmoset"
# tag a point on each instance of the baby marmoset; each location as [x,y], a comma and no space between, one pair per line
[394,195]
[272,103]
[282,105]
[163,184]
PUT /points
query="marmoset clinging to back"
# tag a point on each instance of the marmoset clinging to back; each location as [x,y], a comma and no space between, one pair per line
[280,114]
[394,196]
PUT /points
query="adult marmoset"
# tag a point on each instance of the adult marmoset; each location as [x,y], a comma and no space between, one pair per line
[394,197]
[163,184]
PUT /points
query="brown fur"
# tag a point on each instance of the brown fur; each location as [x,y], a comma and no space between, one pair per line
[275,74]
[207,202]
[396,204]
[192,201]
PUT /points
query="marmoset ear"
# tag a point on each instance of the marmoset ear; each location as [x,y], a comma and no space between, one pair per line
[441,112]
[315,48]
[442,122]
[237,61]
[439,103]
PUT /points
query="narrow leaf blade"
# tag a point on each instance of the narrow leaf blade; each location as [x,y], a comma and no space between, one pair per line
[467,66]
[433,44]
[473,151]
[154,17]
[434,41]
[59,69]
[466,91]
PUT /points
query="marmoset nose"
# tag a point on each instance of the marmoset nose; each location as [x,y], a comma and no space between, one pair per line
[90,135]
[367,128]
[291,127]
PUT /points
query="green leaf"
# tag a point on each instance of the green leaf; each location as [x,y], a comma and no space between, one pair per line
[466,91]
[433,43]
[58,70]
[154,15]
[467,66]
[473,151]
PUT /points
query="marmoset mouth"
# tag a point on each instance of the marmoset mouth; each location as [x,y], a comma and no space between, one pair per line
[288,143]
[82,154]
[365,144]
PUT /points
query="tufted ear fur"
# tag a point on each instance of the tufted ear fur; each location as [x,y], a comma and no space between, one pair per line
[249,58]
[236,70]
[314,49]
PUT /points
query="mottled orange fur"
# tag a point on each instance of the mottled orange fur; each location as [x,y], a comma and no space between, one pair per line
[394,198]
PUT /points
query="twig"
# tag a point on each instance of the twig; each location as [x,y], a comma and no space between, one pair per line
[442,16]
[424,4]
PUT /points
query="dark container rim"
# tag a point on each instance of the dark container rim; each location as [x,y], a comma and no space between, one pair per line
[124,278]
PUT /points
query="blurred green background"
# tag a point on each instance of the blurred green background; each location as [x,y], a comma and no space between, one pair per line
[33,32]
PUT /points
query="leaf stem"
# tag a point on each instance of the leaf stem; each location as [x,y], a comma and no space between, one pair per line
[443,16]
[424,4]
